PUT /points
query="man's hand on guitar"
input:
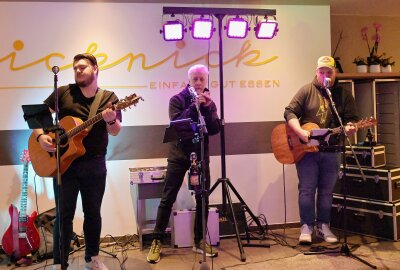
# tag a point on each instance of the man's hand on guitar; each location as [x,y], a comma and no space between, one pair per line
[109,115]
[46,142]
[304,135]
[350,128]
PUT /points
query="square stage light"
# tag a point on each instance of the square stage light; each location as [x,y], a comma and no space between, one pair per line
[237,28]
[266,29]
[173,31]
[202,29]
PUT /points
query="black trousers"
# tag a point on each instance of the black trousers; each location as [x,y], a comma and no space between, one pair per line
[86,175]
[173,181]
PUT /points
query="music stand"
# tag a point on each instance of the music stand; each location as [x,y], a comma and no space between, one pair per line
[37,116]
[181,129]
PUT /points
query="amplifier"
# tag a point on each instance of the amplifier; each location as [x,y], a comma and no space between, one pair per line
[226,224]
[147,174]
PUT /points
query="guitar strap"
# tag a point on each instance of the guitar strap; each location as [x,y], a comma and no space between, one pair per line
[95,105]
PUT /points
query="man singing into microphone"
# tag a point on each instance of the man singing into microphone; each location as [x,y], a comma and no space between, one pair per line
[182,106]
[318,171]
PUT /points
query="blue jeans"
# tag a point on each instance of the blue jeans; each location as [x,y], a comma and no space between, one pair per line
[317,172]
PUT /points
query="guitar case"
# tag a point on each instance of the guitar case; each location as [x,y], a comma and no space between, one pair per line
[45,224]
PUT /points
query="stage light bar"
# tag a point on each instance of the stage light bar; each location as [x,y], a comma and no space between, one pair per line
[202,28]
[266,29]
[173,31]
[237,28]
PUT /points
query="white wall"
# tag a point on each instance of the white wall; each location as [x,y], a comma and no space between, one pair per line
[36,36]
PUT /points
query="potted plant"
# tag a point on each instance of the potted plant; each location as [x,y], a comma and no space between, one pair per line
[361,64]
[374,63]
[386,63]
[373,59]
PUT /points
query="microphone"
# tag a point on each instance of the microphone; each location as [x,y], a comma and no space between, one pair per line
[193,92]
[327,82]
[55,69]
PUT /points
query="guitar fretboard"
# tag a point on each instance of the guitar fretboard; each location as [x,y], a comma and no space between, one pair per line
[76,130]
[360,124]
[24,194]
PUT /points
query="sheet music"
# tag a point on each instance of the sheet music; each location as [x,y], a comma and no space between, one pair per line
[319,137]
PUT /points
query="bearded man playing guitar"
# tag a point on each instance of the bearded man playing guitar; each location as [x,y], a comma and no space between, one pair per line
[87,173]
[318,171]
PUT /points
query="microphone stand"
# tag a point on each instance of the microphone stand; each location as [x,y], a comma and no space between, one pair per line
[57,131]
[344,250]
[202,131]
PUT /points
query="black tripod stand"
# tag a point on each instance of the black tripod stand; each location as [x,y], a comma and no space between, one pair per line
[224,181]
[344,249]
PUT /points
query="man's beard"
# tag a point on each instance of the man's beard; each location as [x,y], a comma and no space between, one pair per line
[86,82]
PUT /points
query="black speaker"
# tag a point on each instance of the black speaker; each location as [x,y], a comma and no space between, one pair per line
[226,224]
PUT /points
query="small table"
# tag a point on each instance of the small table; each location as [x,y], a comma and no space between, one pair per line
[141,191]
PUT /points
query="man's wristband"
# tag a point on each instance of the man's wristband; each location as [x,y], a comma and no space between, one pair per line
[37,138]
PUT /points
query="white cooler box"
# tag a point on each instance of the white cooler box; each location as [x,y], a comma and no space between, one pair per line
[183,226]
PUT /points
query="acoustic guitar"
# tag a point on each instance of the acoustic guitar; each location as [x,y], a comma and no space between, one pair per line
[21,238]
[71,147]
[288,148]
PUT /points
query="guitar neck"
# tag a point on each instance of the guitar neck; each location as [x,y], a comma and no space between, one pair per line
[359,124]
[24,194]
[76,130]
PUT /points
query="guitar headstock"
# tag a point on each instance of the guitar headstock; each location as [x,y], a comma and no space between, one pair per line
[25,158]
[367,122]
[127,102]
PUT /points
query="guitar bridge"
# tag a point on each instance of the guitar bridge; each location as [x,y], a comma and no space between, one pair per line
[22,235]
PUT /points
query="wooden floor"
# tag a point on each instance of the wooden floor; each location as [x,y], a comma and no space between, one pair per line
[284,253]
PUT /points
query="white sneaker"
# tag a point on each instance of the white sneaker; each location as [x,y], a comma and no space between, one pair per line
[305,234]
[324,232]
[95,264]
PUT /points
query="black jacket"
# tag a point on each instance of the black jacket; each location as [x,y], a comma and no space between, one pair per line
[182,107]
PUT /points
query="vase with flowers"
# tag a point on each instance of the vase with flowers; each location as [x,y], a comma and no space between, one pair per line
[386,63]
[361,64]
[373,60]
